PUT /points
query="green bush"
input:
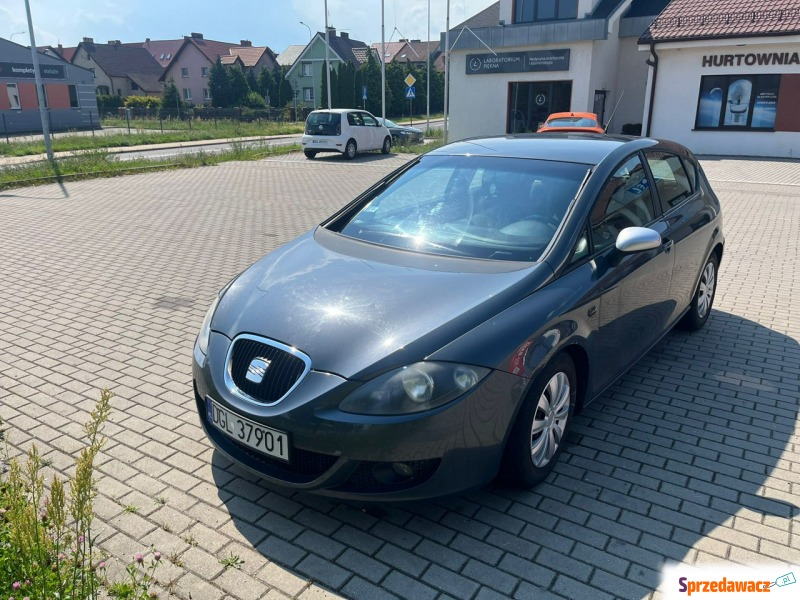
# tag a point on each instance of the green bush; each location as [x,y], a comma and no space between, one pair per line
[108,103]
[143,102]
[254,100]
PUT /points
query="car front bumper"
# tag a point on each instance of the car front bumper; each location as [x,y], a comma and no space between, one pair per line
[440,452]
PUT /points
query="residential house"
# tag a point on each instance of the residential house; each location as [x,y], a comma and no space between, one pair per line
[119,69]
[305,74]
[289,56]
[68,92]
[414,51]
[518,61]
[724,78]
[191,64]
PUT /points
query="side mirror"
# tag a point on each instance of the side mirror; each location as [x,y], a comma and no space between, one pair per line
[638,239]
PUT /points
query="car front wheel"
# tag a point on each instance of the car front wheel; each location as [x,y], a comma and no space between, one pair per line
[703,299]
[387,145]
[541,428]
[309,153]
[350,150]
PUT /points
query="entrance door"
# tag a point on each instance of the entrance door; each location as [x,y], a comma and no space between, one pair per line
[600,106]
[530,103]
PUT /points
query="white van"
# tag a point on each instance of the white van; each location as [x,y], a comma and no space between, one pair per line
[344,130]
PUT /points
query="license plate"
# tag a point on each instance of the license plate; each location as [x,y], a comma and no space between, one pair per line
[251,434]
[324,142]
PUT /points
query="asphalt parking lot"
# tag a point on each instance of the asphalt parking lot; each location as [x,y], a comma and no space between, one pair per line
[694,456]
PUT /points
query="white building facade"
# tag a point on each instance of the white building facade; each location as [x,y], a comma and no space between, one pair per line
[546,56]
[733,90]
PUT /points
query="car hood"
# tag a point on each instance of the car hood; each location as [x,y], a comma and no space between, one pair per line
[406,129]
[356,308]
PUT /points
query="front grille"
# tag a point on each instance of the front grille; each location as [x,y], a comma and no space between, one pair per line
[285,368]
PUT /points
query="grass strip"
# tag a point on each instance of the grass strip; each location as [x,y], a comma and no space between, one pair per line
[96,164]
[68,142]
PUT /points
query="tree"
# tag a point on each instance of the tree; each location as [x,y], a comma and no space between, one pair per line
[346,86]
[252,81]
[285,93]
[219,85]
[171,99]
[323,90]
[238,86]
[265,83]
[335,87]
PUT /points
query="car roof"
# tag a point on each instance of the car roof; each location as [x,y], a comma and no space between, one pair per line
[338,110]
[585,148]
[567,115]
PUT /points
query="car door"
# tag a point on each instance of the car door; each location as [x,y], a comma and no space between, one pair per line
[633,288]
[372,130]
[686,214]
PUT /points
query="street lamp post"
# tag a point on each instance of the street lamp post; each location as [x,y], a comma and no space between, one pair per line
[39,86]
[313,85]
[327,58]
[383,64]
[446,69]
[17,33]
[428,78]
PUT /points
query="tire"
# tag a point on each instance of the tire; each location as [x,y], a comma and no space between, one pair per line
[350,150]
[309,153]
[703,298]
[540,431]
[387,145]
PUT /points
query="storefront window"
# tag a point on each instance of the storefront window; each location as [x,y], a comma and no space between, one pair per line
[530,103]
[529,11]
[737,102]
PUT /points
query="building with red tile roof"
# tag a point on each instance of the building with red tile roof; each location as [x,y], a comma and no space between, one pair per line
[724,76]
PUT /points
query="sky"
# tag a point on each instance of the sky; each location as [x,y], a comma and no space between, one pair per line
[274,23]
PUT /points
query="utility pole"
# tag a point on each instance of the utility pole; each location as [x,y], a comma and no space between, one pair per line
[327,59]
[39,87]
[383,63]
[428,78]
[446,69]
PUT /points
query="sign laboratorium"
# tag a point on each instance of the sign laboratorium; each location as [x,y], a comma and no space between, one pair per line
[518,62]
[10,70]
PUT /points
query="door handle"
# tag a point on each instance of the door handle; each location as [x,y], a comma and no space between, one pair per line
[666,246]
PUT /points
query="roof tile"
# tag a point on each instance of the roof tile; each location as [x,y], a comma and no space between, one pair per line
[704,19]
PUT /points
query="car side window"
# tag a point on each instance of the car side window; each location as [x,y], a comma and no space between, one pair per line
[673,183]
[369,121]
[581,249]
[351,119]
[625,201]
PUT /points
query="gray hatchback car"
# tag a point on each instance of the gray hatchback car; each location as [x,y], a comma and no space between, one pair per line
[447,324]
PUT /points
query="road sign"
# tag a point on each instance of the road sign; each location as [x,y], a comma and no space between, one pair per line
[364,92]
[410,93]
[410,80]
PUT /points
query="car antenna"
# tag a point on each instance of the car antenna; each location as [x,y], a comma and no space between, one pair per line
[611,118]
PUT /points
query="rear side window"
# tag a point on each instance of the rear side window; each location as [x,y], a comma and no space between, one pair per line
[672,181]
[626,201]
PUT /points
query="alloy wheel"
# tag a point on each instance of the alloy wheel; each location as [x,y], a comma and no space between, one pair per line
[550,419]
[705,292]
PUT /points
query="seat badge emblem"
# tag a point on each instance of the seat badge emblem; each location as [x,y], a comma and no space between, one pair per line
[257,369]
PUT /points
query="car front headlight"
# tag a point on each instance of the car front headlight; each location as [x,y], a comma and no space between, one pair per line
[414,388]
[205,328]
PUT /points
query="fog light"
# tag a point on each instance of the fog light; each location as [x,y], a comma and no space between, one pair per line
[403,470]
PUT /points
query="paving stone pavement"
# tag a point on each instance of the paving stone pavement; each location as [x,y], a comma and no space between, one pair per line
[693,456]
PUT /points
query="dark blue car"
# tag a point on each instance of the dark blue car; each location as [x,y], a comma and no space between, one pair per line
[447,324]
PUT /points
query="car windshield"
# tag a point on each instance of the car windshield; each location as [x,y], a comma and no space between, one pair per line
[572,122]
[469,206]
[389,123]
